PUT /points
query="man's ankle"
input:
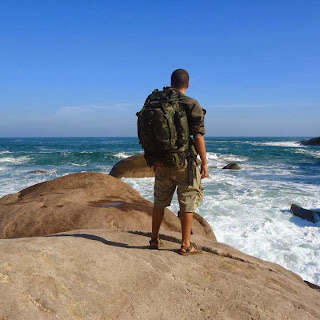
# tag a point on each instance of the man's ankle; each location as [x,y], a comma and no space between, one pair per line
[186,243]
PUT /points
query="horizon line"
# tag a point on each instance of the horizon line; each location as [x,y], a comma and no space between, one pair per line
[206,136]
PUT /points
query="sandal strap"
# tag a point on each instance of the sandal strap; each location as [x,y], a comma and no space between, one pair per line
[188,249]
[155,242]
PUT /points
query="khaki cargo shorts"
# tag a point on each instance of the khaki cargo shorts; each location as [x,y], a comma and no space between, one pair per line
[166,181]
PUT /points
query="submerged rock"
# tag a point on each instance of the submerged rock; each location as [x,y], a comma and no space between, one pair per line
[232,166]
[38,171]
[103,274]
[132,167]
[310,215]
[85,200]
[311,142]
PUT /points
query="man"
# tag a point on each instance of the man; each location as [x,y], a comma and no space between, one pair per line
[168,178]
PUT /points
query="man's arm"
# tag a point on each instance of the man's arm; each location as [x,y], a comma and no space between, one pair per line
[201,149]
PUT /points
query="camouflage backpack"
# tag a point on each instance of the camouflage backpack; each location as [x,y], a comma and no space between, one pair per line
[163,129]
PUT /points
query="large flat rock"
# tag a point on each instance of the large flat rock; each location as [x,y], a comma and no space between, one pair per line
[87,200]
[103,274]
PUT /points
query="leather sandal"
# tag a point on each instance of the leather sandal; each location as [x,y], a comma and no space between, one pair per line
[155,244]
[188,250]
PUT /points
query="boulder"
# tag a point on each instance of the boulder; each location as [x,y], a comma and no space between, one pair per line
[87,200]
[310,215]
[132,167]
[104,274]
[232,166]
[311,142]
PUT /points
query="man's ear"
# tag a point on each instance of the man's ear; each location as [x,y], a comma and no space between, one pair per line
[188,85]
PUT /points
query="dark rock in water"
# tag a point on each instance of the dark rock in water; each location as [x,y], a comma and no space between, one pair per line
[132,167]
[311,142]
[310,215]
[38,171]
[232,166]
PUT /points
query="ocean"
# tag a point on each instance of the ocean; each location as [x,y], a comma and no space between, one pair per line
[248,209]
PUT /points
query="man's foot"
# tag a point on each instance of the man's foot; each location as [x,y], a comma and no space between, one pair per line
[155,244]
[192,249]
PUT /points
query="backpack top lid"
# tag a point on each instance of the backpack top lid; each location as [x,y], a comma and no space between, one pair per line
[168,94]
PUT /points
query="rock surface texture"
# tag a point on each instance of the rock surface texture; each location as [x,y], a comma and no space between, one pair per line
[132,167]
[103,274]
[232,166]
[86,200]
[311,142]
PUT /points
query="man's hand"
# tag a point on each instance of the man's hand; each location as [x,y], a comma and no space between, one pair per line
[204,171]
[201,149]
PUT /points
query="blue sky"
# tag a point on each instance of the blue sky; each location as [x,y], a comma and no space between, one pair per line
[83,68]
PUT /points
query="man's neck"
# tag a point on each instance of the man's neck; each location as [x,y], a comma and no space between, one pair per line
[183,90]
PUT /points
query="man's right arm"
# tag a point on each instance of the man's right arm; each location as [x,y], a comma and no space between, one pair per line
[201,149]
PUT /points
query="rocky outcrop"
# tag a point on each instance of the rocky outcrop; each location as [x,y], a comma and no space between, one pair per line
[103,274]
[311,142]
[132,167]
[86,200]
[232,166]
[310,215]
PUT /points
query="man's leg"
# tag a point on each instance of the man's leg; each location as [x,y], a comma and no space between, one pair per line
[157,217]
[186,226]
[189,196]
[164,188]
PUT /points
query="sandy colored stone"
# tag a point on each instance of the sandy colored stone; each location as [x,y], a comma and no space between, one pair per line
[132,167]
[103,274]
[87,200]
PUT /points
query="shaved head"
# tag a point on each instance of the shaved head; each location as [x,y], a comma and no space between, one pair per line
[180,79]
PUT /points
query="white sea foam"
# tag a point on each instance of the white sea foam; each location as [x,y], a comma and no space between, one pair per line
[220,160]
[19,182]
[79,164]
[313,153]
[212,156]
[13,160]
[225,157]
[143,185]
[230,157]
[4,152]
[121,155]
[290,144]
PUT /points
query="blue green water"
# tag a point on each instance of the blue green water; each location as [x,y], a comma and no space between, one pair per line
[248,209]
